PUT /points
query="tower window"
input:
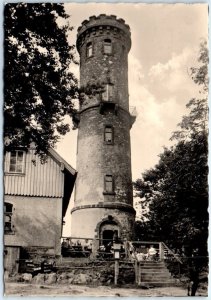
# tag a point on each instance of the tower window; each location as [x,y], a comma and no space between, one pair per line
[17,159]
[109,184]
[89,49]
[107,46]
[109,135]
[108,93]
[7,217]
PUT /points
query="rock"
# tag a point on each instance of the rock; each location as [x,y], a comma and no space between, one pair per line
[18,278]
[50,278]
[81,279]
[70,280]
[39,278]
[95,280]
[62,278]
[27,277]
[70,274]
[6,275]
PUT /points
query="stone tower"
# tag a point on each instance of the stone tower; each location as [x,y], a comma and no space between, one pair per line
[103,196]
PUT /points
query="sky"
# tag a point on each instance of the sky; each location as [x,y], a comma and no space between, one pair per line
[165,45]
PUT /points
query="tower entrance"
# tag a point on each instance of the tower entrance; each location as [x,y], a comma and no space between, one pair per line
[109,231]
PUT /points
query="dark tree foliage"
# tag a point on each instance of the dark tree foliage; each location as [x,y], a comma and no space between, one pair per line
[175,191]
[39,87]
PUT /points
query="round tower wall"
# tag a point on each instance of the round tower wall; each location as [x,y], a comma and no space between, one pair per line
[96,158]
[104,67]
[103,193]
[91,218]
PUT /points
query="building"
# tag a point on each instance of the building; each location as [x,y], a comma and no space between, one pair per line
[35,202]
[103,205]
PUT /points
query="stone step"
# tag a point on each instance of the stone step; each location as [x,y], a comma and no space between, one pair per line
[171,283]
[150,263]
[154,278]
[156,274]
[153,269]
[157,271]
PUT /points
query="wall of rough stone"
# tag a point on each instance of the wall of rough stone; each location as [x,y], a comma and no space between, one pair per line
[101,67]
[95,158]
[88,221]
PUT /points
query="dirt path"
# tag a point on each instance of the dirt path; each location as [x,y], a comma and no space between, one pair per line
[23,289]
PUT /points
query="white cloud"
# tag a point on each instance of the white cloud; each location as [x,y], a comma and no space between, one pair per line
[174,75]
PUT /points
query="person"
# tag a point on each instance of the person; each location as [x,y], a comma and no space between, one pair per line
[86,245]
[152,253]
[78,243]
[70,243]
[131,248]
[102,248]
[127,248]
[108,247]
[134,256]
[140,256]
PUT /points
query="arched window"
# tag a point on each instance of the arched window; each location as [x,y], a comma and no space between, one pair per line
[107,46]
[89,49]
[108,135]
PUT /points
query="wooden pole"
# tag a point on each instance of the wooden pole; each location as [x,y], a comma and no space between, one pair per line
[116,271]
[161,250]
[136,272]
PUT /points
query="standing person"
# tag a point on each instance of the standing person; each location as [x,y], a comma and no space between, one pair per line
[131,248]
[86,245]
[127,248]
[152,253]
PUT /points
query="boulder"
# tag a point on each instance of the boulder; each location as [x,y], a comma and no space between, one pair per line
[81,279]
[62,278]
[27,277]
[39,279]
[50,278]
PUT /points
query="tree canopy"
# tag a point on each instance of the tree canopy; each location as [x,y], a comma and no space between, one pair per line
[175,191]
[39,87]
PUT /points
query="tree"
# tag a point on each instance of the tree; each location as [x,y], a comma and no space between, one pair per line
[39,88]
[176,192]
[196,122]
[176,189]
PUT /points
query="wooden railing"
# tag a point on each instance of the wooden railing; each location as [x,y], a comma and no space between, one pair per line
[168,255]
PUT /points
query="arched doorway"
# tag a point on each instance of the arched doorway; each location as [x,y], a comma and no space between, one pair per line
[109,230]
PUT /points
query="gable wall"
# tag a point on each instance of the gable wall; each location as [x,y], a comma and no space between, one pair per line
[38,179]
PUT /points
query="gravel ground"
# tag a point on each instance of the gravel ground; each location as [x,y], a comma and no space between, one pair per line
[24,289]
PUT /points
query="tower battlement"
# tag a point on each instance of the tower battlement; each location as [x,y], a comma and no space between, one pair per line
[101,24]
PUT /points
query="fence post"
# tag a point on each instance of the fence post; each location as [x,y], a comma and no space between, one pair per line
[136,272]
[116,271]
[161,251]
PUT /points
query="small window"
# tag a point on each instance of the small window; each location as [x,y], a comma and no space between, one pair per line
[89,49]
[108,93]
[108,135]
[17,159]
[109,185]
[7,217]
[107,46]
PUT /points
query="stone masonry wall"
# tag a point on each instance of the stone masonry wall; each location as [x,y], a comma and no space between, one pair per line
[95,158]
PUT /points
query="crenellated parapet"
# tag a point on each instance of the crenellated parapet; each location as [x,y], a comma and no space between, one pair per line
[102,24]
